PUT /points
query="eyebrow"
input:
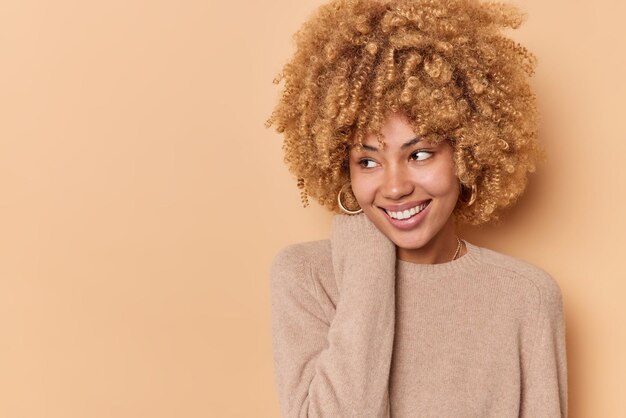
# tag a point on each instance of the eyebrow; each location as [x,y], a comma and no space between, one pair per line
[403,146]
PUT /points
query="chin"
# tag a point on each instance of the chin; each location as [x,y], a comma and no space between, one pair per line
[412,244]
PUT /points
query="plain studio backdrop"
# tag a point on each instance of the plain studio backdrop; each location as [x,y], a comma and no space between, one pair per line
[143,200]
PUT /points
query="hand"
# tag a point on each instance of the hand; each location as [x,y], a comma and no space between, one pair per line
[356,240]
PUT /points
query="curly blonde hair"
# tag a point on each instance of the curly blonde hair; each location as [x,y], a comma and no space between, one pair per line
[443,63]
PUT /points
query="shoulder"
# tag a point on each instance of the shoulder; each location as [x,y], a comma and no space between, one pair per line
[301,279]
[535,278]
[299,259]
[302,252]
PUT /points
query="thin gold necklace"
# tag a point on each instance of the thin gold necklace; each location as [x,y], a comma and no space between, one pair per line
[458,249]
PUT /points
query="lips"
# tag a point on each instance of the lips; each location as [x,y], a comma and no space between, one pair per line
[408,213]
[411,222]
[404,206]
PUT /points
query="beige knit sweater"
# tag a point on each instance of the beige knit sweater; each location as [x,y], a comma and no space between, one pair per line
[357,333]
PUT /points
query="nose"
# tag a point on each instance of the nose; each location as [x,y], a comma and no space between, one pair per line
[397,183]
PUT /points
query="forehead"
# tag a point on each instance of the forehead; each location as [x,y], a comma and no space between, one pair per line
[395,126]
[389,145]
[396,130]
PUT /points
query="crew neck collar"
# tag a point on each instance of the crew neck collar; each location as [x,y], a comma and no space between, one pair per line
[433,271]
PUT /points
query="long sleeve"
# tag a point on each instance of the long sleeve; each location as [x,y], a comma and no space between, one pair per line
[337,369]
[544,391]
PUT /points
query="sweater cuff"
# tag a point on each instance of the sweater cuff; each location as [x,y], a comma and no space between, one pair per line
[358,231]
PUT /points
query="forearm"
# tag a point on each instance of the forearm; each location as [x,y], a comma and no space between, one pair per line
[336,368]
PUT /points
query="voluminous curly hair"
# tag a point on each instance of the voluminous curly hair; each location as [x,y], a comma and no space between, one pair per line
[443,63]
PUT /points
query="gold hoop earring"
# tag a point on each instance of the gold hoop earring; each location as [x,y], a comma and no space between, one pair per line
[343,208]
[472,198]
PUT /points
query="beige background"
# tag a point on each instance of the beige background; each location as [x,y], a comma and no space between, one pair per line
[142,202]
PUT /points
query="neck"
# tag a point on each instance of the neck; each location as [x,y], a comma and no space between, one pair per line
[440,249]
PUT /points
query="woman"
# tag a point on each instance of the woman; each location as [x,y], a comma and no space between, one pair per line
[410,116]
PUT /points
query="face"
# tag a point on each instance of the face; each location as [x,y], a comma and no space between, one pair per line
[411,175]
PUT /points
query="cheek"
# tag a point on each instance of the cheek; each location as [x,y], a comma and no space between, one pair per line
[440,182]
[361,188]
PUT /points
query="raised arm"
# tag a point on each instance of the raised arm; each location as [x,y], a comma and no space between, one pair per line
[337,369]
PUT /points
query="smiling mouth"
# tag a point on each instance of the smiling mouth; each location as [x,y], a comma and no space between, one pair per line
[409,213]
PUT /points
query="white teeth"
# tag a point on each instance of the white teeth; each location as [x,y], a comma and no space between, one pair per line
[409,212]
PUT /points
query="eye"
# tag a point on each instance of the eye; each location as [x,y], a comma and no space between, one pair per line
[421,155]
[365,163]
